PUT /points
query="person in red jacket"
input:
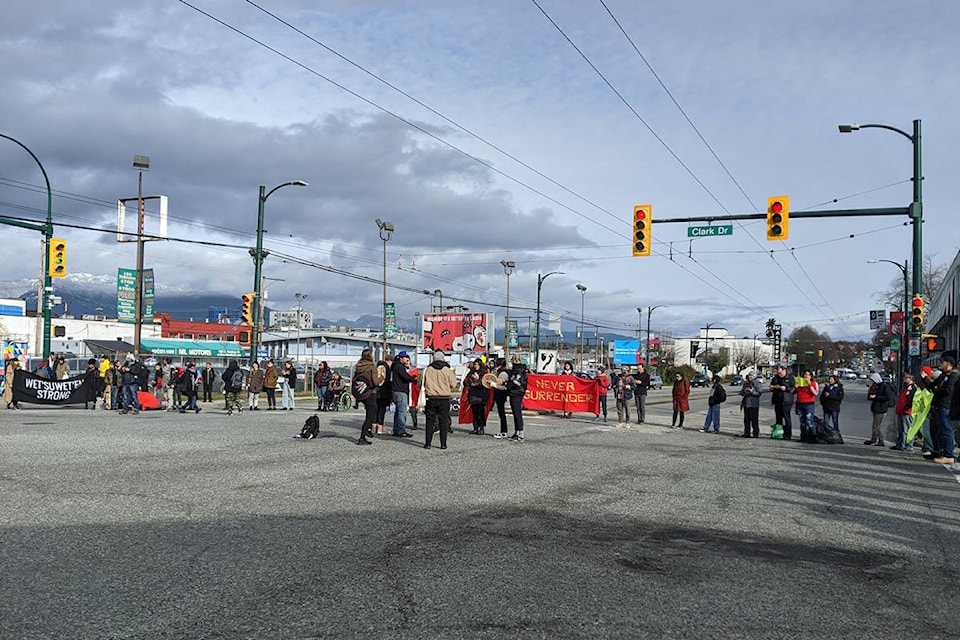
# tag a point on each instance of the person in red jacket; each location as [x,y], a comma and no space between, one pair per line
[806,391]
[681,399]
[603,388]
[904,410]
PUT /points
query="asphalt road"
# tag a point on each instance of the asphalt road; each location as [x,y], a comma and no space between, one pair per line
[165,525]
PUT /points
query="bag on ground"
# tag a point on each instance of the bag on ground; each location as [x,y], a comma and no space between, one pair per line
[311,428]
[776,432]
[825,433]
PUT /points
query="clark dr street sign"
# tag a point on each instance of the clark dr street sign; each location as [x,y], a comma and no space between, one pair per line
[713,230]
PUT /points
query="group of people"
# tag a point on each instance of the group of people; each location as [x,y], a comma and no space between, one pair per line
[377,385]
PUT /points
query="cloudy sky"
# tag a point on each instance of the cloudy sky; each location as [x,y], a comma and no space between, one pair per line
[485,131]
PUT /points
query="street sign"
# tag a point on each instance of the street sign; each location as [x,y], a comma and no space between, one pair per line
[126,295]
[878,318]
[914,347]
[389,320]
[710,230]
[895,344]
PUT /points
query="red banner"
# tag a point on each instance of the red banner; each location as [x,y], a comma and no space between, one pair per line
[896,323]
[562,393]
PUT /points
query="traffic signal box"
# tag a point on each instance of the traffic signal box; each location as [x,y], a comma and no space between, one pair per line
[778,217]
[641,229]
[57,268]
[934,344]
[916,314]
[246,312]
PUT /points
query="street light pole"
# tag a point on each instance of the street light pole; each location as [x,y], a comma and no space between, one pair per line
[916,215]
[583,296]
[646,349]
[43,299]
[905,268]
[386,232]
[508,267]
[258,255]
[536,339]
[140,163]
[300,298]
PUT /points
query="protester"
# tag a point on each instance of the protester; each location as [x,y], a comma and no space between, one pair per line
[288,387]
[129,377]
[751,390]
[806,392]
[254,387]
[500,396]
[95,384]
[156,381]
[208,377]
[623,389]
[567,370]
[642,380]
[880,396]
[187,384]
[367,369]
[477,395]
[941,427]
[61,369]
[271,378]
[400,380]
[782,397]
[928,380]
[439,383]
[384,393]
[335,391]
[681,400]
[830,400]
[322,380]
[603,390]
[9,372]
[516,387]
[904,412]
[111,380]
[232,387]
[717,397]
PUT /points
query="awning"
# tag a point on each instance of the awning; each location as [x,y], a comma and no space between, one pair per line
[192,348]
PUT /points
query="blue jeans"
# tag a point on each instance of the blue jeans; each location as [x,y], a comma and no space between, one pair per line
[944,443]
[713,416]
[903,426]
[130,399]
[321,396]
[832,417]
[808,428]
[402,403]
[287,400]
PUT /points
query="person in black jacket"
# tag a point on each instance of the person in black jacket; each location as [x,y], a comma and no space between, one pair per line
[188,388]
[880,396]
[718,396]
[642,384]
[830,400]
[384,392]
[781,397]
[477,396]
[941,427]
[400,379]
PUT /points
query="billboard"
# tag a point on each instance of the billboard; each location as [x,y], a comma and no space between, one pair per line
[456,332]
[630,352]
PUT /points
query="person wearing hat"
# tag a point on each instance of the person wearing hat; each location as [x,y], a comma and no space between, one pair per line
[130,379]
[400,379]
[928,380]
[188,388]
[439,383]
[941,427]
[623,390]
[880,396]
[95,384]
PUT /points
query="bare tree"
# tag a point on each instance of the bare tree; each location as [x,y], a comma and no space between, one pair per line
[933,276]
[743,357]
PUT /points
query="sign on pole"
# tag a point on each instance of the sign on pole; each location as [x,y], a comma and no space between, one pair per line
[389,320]
[878,319]
[126,295]
[149,296]
[710,231]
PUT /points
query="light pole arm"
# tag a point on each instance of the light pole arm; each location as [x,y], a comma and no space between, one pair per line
[888,128]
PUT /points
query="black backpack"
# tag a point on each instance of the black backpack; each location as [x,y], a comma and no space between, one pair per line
[360,388]
[721,395]
[311,428]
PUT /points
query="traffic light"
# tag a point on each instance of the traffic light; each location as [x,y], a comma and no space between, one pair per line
[916,314]
[57,268]
[778,217]
[641,229]
[934,344]
[246,312]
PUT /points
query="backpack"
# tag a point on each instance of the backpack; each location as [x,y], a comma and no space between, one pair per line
[721,395]
[360,388]
[311,428]
[236,380]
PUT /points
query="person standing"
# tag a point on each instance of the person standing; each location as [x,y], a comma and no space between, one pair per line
[681,400]
[232,387]
[384,393]
[717,397]
[61,369]
[188,388]
[782,385]
[367,369]
[623,389]
[156,381]
[477,396]
[516,387]
[830,400]
[904,412]
[9,372]
[129,377]
[270,379]
[500,396]
[110,382]
[323,378]
[806,394]
[880,397]
[941,427]
[603,390]
[400,380]
[208,377]
[414,399]
[751,391]
[96,384]
[254,387]
[289,386]
[567,370]
[439,383]
[642,380]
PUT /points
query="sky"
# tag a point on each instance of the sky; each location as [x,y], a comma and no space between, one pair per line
[488,131]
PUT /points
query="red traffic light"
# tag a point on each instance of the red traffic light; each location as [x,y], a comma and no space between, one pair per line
[641,214]
[776,207]
[918,302]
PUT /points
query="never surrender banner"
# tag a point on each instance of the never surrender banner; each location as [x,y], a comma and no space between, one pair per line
[29,387]
[562,393]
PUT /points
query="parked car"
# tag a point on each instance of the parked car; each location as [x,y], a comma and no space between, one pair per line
[656,382]
[736,381]
[699,380]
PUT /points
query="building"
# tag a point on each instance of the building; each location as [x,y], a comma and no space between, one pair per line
[942,308]
[749,353]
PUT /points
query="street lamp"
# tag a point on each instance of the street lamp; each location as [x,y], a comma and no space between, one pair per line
[646,349]
[140,163]
[906,305]
[46,290]
[258,255]
[508,267]
[300,298]
[386,232]
[536,339]
[583,296]
[916,215]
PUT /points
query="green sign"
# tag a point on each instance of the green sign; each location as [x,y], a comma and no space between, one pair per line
[126,295]
[708,231]
[389,320]
[513,334]
[149,297]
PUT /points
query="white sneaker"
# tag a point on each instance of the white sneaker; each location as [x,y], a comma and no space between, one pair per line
[500,436]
